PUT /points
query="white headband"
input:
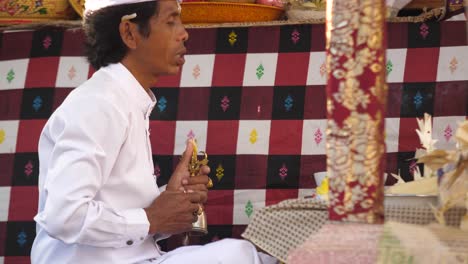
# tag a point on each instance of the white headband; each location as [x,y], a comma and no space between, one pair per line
[94,5]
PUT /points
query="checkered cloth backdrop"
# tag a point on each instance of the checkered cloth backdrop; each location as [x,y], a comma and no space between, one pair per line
[254,97]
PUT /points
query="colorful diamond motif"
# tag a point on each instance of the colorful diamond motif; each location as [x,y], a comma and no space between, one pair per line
[288,103]
[424,30]
[2,136]
[162,104]
[47,42]
[196,71]
[260,72]
[318,136]
[323,69]
[191,134]
[10,76]
[157,171]
[389,67]
[283,172]
[295,36]
[453,65]
[448,133]
[219,172]
[253,136]
[225,103]
[248,208]
[37,103]
[71,73]
[28,169]
[232,38]
[22,238]
[418,100]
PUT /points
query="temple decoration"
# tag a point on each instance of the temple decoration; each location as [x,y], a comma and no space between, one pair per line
[452,175]
[356,103]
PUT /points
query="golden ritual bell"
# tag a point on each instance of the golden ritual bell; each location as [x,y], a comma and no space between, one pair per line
[200,227]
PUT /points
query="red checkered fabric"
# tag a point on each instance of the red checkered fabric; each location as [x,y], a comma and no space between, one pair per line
[253,97]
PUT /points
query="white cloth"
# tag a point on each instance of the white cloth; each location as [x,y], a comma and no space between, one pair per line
[94,5]
[96,174]
[226,251]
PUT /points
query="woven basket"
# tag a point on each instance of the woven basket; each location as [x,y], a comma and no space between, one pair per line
[300,14]
[233,1]
[219,12]
[27,11]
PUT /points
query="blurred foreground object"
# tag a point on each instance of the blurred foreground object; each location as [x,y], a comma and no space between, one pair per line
[452,172]
[29,11]
[224,12]
[356,103]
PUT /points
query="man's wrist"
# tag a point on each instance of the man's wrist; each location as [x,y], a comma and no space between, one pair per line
[148,216]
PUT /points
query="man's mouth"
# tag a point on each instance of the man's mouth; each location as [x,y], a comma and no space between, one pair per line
[181,58]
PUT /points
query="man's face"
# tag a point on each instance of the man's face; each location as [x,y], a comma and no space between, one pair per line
[162,53]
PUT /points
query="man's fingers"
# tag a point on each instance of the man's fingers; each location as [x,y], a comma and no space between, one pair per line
[181,170]
[196,188]
[202,179]
[193,208]
[187,155]
[194,218]
[203,197]
[205,170]
[194,197]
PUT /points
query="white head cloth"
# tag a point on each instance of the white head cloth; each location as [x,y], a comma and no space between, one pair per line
[94,5]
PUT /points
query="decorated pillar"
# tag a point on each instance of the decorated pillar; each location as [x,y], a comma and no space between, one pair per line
[356,104]
[465,5]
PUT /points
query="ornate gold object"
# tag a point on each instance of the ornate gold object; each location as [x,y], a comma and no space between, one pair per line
[200,210]
[27,11]
[199,227]
[209,184]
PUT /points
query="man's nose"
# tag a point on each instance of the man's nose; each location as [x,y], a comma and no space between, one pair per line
[185,35]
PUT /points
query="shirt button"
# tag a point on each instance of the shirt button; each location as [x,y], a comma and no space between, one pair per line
[130,242]
[141,238]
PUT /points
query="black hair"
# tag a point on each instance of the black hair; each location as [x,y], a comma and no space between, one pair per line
[103,44]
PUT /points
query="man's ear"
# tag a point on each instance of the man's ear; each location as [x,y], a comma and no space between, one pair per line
[129,34]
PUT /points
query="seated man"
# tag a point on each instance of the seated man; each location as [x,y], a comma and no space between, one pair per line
[98,197]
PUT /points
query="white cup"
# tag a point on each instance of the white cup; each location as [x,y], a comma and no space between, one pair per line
[319,176]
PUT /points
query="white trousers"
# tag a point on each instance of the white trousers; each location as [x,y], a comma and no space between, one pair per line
[226,251]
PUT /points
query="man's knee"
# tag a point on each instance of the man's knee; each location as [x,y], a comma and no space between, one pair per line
[240,245]
[237,249]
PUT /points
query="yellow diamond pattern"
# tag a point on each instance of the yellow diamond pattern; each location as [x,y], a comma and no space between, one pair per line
[253,136]
[232,38]
[219,172]
[2,136]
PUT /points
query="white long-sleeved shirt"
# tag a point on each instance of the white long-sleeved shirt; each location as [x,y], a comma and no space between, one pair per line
[96,174]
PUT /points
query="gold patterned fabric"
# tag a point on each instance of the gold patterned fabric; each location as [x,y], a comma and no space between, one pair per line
[356,103]
[279,228]
[391,243]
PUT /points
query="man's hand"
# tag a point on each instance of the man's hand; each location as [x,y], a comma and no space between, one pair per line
[175,209]
[173,212]
[181,180]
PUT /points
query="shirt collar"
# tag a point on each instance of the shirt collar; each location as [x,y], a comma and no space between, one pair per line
[144,101]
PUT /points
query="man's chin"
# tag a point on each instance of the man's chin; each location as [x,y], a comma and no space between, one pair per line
[173,71]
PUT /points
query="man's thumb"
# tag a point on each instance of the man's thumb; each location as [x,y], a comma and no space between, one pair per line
[181,171]
[188,152]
